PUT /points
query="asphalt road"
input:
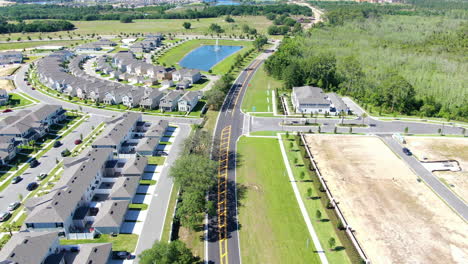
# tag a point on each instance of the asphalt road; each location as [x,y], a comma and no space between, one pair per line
[47,162]
[230,119]
[437,186]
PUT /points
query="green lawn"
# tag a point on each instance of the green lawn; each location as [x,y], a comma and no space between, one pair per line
[156,160]
[260,88]
[325,229]
[174,55]
[121,242]
[26,45]
[16,101]
[170,213]
[272,229]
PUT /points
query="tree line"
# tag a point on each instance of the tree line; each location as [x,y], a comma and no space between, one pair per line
[297,64]
[35,26]
[108,12]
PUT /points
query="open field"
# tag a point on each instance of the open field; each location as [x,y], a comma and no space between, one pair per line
[444,149]
[272,229]
[174,55]
[7,70]
[27,45]
[260,88]
[7,85]
[165,26]
[396,218]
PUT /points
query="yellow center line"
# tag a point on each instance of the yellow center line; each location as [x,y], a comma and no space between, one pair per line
[255,64]
[222,194]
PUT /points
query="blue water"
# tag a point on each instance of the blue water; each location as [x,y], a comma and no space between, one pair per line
[222,2]
[205,57]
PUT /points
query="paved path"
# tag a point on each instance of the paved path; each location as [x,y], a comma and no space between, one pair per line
[305,215]
[457,204]
[154,223]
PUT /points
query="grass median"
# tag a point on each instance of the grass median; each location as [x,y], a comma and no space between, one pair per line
[272,229]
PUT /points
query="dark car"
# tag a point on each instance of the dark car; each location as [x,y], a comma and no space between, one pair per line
[78,141]
[407,152]
[32,186]
[122,255]
[16,179]
[57,144]
[7,110]
[34,163]
[65,153]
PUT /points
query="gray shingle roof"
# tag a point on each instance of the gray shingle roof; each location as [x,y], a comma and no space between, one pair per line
[111,213]
[124,187]
[118,129]
[135,166]
[28,247]
[310,95]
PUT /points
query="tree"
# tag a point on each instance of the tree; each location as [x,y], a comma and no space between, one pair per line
[335,130]
[229,19]
[216,28]
[260,42]
[187,25]
[406,130]
[302,175]
[309,192]
[350,129]
[126,19]
[318,215]
[291,145]
[214,98]
[190,209]
[194,172]
[331,243]
[364,116]
[198,143]
[287,134]
[7,228]
[167,253]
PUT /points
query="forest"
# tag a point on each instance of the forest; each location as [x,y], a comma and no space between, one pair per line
[400,64]
[107,12]
[35,26]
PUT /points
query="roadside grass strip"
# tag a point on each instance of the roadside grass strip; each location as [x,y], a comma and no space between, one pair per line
[89,139]
[272,229]
[324,228]
[170,214]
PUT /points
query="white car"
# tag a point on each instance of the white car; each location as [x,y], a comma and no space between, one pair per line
[4,216]
[13,206]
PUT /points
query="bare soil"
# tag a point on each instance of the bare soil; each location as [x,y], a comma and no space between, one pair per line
[396,218]
[7,70]
[7,85]
[437,148]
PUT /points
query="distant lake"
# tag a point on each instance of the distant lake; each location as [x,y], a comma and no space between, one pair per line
[222,2]
[205,57]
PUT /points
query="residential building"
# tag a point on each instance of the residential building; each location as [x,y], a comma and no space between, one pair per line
[30,247]
[170,101]
[189,100]
[151,98]
[8,149]
[119,130]
[10,57]
[337,104]
[110,216]
[191,75]
[308,99]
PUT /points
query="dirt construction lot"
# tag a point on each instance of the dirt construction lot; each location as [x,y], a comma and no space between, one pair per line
[439,148]
[396,218]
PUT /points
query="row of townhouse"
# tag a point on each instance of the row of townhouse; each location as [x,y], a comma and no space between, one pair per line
[126,62]
[10,57]
[45,248]
[151,42]
[95,46]
[74,81]
[92,197]
[97,187]
[26,125]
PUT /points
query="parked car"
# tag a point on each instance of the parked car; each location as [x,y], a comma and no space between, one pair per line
[34,163]
[13,206]
[57,144]
[7,110]
[123,255]
[78,141]
[407,151]
[4,216]
[16,179]
[41,176]
[32,186]
[65,153]
[32,88]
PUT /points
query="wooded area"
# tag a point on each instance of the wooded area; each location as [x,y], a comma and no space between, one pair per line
[410,65]
[35,26]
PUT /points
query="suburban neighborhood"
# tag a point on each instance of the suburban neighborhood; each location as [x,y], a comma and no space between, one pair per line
[182,131]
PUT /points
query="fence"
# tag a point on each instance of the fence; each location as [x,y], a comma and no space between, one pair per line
[76,236]
[338,212]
